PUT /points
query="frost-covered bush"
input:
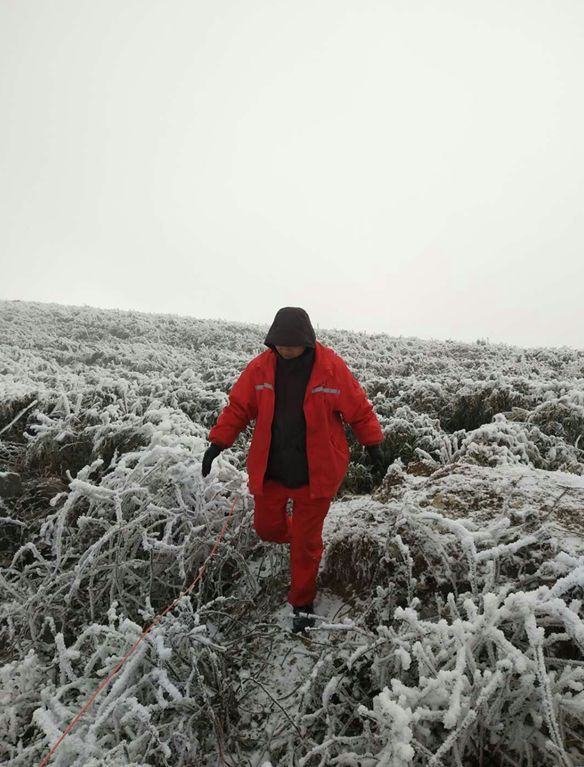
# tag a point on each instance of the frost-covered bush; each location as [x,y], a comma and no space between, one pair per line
[21,399]
[562,417]
[427,396]
[511,442]
[136,535]
[466,642]
[473,646]
[469,640]
[408,435]
[476,402]
[170,700]
[78,360]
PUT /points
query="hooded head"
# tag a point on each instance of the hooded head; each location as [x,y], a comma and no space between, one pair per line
[291,327]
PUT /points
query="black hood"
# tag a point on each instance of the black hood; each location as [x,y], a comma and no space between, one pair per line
[291,327]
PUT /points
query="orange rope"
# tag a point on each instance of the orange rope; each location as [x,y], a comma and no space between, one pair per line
[120,663]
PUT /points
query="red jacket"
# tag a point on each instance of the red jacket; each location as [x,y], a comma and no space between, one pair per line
[333,396]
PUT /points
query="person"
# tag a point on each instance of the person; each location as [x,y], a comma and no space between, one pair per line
[299,392]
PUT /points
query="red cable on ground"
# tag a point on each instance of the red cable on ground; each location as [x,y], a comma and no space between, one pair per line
[120,663]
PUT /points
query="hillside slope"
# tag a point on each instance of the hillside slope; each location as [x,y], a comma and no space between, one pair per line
[450,623]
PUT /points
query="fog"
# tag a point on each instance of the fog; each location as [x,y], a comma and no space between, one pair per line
[408,168]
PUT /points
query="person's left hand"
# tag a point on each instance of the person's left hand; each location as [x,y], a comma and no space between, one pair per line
[375,457]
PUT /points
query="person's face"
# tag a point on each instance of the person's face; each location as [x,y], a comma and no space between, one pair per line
[289,352]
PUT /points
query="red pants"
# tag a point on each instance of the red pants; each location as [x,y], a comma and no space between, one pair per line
[303,531]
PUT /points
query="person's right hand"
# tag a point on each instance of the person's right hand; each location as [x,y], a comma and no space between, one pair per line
[210,454]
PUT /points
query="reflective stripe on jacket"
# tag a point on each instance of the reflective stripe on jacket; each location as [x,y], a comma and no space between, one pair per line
[333,396]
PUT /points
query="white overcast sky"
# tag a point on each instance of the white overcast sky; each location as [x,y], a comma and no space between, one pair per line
[412,167]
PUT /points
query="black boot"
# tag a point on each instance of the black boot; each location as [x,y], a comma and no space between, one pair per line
[301,622]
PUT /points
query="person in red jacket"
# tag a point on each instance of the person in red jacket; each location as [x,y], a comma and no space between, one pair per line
[300,393]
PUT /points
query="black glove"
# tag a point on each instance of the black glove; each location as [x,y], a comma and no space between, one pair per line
[210,454]
[375,457]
